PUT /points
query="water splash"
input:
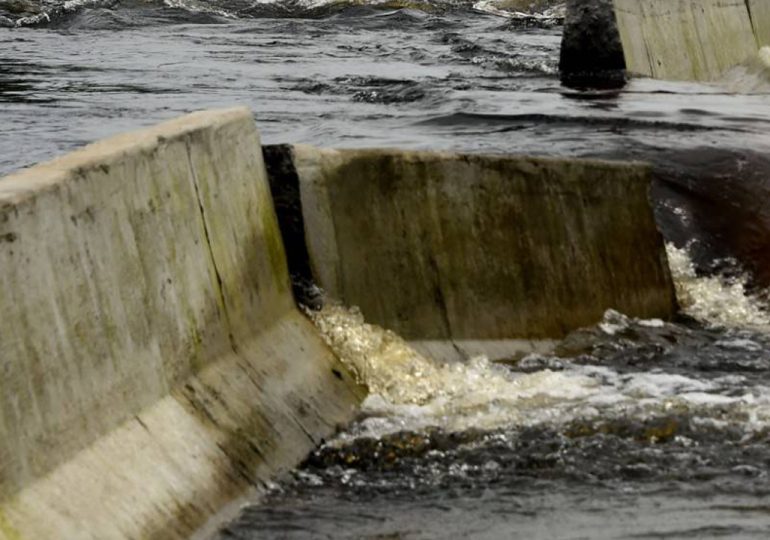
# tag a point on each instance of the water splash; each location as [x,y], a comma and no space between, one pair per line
[552,14]
[410,392]
[408,389]
[48,11]
[751,77]
[715,300]
[200,6]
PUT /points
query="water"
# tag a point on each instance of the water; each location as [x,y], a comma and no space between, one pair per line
[357,77]
[631,429]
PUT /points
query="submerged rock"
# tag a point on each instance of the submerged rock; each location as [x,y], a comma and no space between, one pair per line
[591,50]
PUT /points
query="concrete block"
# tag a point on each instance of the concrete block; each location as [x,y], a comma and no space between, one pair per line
[153,364]
[468,248]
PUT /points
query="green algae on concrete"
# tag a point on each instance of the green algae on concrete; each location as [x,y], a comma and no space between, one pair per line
[7,532]
[441,246]
[154,365]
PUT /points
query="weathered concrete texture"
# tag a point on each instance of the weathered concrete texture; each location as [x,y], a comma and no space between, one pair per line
[153,364]
[686,39]
[440,246]
[667,39]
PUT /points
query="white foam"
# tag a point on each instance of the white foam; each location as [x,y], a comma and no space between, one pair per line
[715,300]
[69,6]
[408,389]
[660,385]
[739,345]
[498,8]
[199,6]
[701,398]
[614,322]
[411,392]
[651,323]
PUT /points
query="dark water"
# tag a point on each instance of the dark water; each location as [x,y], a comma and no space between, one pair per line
[358,77]
[670,441]
[634,430]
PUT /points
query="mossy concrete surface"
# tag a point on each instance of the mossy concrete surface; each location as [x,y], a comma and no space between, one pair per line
[154,366]
[474,248]
[690,39]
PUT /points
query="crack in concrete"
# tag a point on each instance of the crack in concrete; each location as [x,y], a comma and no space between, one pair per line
[302,428]
[438,295]
[212,257]
[753,25]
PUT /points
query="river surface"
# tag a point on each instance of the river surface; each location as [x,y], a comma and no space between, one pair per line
[631,429]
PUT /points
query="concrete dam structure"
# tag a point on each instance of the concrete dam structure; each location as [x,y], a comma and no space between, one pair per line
[698,40]
[487,254]
[154,365]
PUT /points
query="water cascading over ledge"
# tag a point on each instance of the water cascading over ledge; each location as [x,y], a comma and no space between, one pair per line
[154,364]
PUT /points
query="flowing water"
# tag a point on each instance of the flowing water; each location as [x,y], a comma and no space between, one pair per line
[631,429]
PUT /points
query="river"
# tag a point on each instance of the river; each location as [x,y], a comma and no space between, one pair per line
[632,429]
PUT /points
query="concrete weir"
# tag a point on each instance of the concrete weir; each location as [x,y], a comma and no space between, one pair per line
[153,365]
[473,253]
[696,40]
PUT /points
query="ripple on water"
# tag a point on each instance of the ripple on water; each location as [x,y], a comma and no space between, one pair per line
[647,428]
[495,451]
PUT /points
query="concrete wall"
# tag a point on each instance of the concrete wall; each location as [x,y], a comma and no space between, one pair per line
[440,246]
[152,363]
[669,39]
[685,39]
[760,18]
